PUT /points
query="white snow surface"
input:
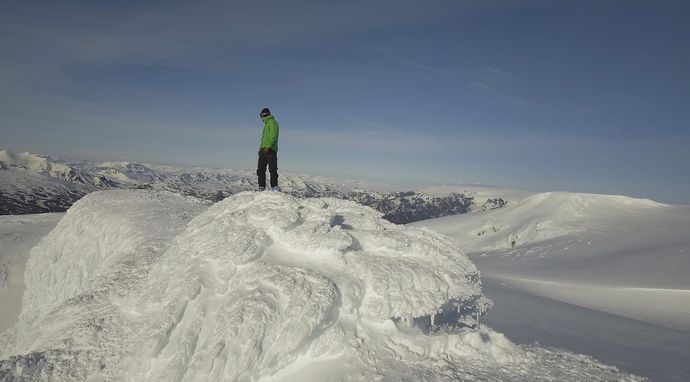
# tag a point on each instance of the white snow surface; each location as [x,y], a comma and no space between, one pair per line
[616,254]
[141,285]
[18,234]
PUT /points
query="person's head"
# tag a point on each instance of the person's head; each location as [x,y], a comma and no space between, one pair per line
[264,113]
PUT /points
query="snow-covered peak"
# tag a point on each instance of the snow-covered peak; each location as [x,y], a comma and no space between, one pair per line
[113,164]
[480,194]
[33,162]
[143,285]
[44,167]
[128,173]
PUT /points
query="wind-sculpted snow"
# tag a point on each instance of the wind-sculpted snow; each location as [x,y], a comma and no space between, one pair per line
[146,286]
[18,234]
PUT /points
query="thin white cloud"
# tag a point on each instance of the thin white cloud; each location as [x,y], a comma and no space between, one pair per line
[379,126]
[412,63]
[490,78]
[57,113]
[384,127]
[492,81]
[362,140]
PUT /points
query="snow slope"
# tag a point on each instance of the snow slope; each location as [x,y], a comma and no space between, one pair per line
[616,254]
[143,285]
[18,234]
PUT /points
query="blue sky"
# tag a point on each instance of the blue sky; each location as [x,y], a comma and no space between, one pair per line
[588,96]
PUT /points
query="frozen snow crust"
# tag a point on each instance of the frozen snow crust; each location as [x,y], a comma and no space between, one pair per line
[151,286]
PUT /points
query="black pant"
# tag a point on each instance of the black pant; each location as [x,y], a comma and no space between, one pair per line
[271,159]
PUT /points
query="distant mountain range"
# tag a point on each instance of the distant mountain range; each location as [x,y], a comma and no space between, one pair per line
[33,183]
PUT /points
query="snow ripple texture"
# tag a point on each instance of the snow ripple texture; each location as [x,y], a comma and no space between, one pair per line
[138,285]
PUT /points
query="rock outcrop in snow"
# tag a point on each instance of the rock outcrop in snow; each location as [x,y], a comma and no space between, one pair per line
[139,285]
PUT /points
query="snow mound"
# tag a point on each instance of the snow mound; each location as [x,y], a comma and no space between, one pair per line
[142,285]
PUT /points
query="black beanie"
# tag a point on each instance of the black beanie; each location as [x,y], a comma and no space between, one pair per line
[265,112]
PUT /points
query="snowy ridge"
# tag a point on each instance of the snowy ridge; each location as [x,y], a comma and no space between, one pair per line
[480,194]
[31,183]
[48,167]
[143,285]
[33,162]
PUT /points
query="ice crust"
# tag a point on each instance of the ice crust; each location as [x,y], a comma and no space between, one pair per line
[139,285]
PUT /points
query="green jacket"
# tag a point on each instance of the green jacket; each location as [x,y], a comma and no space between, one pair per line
[269,138]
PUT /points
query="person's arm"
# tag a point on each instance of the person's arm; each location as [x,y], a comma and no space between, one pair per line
[271,134]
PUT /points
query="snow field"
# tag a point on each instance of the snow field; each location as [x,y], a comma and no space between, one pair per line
[666,307]
[141,285]
[617,254]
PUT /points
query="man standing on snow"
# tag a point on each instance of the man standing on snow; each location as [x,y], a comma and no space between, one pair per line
[268,151]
